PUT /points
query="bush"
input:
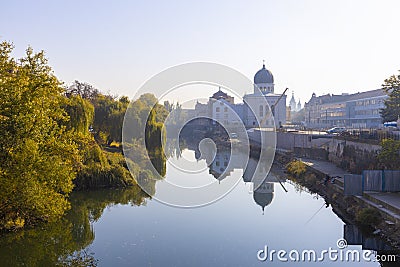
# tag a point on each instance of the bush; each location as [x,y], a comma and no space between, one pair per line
[310,178]
[103,169]
[296,168]
[368,216]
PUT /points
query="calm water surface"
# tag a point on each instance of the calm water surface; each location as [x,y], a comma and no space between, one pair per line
[125,228]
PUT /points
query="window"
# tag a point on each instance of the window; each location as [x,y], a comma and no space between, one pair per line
[225,109]
[261,111]
[217,109]
[217,163]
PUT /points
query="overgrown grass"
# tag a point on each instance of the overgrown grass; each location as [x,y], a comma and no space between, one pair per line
[368,216]
[112,172]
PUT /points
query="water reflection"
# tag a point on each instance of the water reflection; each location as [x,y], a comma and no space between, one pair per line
[66,242]
[355,236]
[223,163]
[71,241]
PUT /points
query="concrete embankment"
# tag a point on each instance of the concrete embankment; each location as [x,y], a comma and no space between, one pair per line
[349,155]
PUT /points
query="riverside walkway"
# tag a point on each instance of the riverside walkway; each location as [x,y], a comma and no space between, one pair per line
[388,202]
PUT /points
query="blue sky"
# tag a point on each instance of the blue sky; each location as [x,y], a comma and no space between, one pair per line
[310,46]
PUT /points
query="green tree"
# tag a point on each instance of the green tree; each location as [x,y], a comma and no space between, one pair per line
[116,120]
[80,112]
[37,156]
[391,112]
[389,156]
[84,90]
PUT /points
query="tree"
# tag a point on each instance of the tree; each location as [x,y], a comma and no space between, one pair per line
[389,156]
[85,90]
[391,112]
[37,156]
[80,112]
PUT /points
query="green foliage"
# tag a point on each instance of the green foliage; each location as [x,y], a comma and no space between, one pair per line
[368,216]
[84,90]
[99,174]
[176,116]
[296,168]
[153,132]
[391,112]
[46,140]
[80,112]
[108,111]
[389,156]
[37,153]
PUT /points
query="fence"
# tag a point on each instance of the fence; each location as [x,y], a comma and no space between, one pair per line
[372,180]
[370,134]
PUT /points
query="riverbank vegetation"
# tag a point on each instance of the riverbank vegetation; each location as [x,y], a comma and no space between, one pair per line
[391,112]
[55,139]
[389,156]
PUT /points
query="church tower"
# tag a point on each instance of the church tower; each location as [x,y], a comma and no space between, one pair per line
[292,103]
[264,80]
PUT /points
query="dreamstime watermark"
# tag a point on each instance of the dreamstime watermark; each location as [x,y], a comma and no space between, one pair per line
[340,253]
[183,80]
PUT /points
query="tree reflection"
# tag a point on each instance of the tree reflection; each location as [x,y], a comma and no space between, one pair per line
[65,242]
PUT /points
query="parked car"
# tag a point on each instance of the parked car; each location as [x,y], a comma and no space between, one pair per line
[391,126]
[337,130]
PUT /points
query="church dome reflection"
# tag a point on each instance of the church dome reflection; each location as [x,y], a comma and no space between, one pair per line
[264,194]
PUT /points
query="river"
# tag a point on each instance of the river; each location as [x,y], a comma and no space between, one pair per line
[126,228]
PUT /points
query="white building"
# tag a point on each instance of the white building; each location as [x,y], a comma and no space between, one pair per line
[264,91]
[221,107]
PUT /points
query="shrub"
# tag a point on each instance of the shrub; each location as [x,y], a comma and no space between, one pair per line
[368,216]
[296,168]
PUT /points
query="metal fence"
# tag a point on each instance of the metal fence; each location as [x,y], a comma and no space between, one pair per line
[372,180]
[353,185]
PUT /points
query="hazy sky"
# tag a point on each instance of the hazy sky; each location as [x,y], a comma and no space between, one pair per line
[310,46]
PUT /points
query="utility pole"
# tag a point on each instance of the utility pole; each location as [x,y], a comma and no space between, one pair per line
[273,108]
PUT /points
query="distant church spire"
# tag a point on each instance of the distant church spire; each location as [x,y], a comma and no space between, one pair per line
[263,63]
[293,105]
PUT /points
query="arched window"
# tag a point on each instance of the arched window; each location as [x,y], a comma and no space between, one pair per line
[261,111]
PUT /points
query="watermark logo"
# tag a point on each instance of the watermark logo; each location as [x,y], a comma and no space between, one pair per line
[341,243]
[225,118]
[341,253]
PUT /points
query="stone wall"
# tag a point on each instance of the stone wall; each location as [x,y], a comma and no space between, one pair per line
[353,156]
[350,155]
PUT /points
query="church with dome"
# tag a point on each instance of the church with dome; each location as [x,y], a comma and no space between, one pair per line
[264,91]
[221,106]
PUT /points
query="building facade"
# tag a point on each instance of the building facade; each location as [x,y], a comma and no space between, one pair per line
[359,110]
[264,91]
[222,108]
